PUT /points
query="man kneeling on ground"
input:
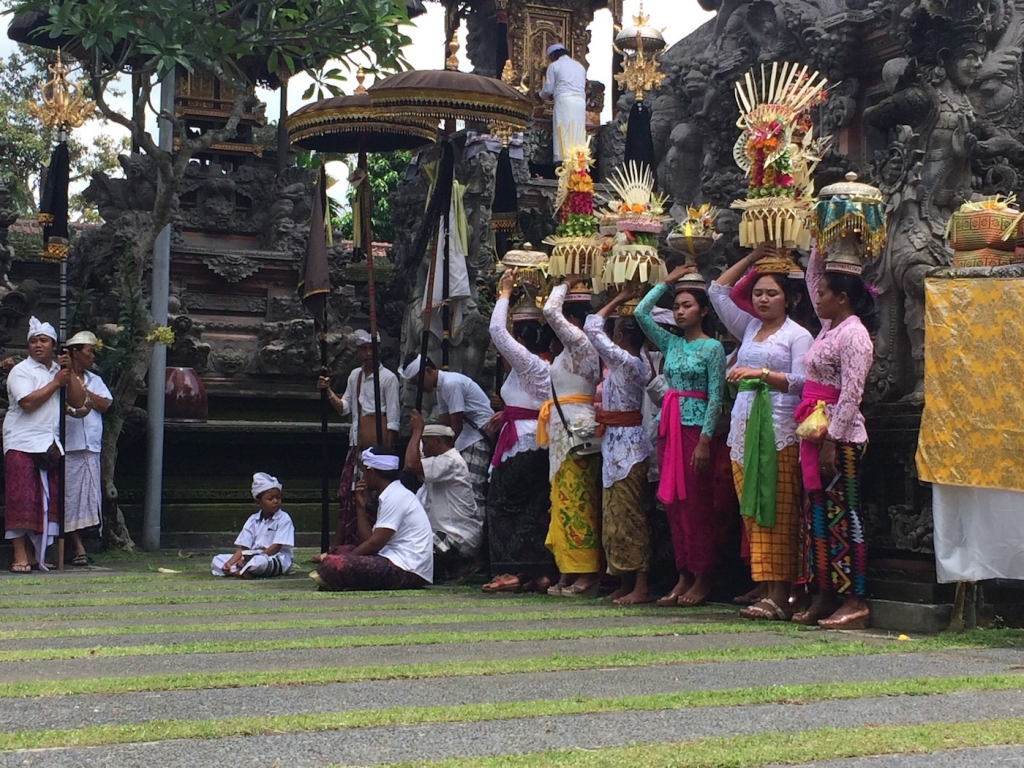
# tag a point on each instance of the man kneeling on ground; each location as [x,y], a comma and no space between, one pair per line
[396,552]
[447,496]
[267,539]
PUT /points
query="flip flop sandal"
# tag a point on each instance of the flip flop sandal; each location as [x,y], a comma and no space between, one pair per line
[505,583]
[575,591]
[765,610]
[81,560]
[21,568]
[670,600]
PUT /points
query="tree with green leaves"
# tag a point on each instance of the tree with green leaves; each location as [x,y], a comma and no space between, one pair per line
[243,43]
[386,170]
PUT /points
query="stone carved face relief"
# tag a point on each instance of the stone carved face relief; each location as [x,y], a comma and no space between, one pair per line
[966,68]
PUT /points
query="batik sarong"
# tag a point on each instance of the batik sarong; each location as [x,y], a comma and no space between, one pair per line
[341,570]
[348,521]
[478,460]
[518,515]
[837,553]
[625,532]
[24,494]
[574,536]
[775,551]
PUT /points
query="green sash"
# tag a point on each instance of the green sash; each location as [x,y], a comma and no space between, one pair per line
[760,463]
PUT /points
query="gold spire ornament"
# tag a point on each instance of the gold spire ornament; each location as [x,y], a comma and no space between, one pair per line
[63,106]
[639,45]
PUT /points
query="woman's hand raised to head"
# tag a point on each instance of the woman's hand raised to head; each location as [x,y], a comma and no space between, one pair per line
[508,282]
[679,272]
[763,250]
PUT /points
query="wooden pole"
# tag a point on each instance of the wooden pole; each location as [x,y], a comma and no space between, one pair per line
[366,244]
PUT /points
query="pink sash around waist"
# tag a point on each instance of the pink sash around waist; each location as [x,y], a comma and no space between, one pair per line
[508,434]
[672,483]
[812,394]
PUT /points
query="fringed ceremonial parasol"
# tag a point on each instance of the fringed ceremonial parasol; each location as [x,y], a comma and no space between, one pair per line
[448,94]
[849,225]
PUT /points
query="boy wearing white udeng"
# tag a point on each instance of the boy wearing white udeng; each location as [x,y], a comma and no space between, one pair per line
[267,539]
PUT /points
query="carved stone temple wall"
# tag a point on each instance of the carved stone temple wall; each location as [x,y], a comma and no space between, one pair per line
[927,102]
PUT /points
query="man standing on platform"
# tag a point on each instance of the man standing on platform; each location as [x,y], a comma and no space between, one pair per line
[566,83]
[466,408]
[358,403]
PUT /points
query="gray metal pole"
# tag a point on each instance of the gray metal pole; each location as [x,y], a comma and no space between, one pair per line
[158,362]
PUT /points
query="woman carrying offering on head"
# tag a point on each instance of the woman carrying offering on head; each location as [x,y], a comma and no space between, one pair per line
[762,436]
[694,369]
[625,450]
[518,516]
[837,367]
[574,537]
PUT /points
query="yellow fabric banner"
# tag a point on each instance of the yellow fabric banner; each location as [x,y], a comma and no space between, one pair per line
[972,429]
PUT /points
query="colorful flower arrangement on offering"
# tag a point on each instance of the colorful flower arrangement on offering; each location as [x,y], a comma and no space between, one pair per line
[695,234]
[575,248]
[778,153]
[641,216]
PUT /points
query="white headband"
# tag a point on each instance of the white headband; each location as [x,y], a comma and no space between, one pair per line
[38,328]
[262,482]
[361,337]
[371,460]
[438,430]
[412,370]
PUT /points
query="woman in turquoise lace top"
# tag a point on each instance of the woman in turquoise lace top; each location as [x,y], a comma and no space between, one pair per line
[695,372]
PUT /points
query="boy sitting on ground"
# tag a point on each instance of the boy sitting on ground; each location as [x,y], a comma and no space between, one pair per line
[267,539]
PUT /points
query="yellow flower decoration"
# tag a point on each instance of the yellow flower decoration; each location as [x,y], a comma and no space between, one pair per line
[161,335]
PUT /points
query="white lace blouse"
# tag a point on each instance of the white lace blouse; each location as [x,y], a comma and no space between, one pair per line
[623,390]
[782,352]
[527,385]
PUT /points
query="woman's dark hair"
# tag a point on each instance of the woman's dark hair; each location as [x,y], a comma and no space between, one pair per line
[576,311]
[631,332]
[535,336]
[798,301]
[388,474]
[862,303]
[707,323]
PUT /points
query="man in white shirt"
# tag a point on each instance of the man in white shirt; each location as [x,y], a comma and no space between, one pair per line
[566,83]
[466,408]
[267,540]
[358,403]
[396,552]
[83,436]
[32,448]
[446,495]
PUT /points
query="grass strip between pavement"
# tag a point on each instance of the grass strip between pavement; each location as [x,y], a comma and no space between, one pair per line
[822,647]
[411,638]
[160,730]
[608,612]
[822,744]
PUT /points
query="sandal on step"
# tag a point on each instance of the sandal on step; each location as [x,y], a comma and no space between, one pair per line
[504,583]
[766,610]
[81,560]
[573,590]
[21,568]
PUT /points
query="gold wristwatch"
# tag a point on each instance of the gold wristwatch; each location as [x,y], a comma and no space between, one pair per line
[764,373]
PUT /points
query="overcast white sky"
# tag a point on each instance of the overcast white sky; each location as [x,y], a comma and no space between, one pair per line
[677,18]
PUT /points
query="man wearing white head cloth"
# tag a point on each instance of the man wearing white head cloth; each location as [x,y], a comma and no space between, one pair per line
[566,83]
[396,551]
[267,540]
[32,448]
[466,408]
[358,404]
[447,496]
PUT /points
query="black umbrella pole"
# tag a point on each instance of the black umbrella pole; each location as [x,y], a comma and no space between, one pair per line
[366,243]
[325,459]
[446,290]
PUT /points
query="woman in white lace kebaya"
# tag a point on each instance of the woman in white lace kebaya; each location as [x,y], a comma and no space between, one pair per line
[625,451]
[518,516]
[762,435]
[574,536]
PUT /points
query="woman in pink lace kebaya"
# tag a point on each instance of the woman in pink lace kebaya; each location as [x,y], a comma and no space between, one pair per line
[837,367]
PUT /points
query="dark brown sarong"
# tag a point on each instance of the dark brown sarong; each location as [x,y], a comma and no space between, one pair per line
[341,570]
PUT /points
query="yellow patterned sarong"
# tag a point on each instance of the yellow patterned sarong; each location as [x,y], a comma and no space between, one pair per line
[775,552]
[574,536]
[972,428]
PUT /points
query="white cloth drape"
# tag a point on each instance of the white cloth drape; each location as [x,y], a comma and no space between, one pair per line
[979,533]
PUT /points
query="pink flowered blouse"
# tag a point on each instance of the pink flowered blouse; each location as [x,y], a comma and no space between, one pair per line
[840,357]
